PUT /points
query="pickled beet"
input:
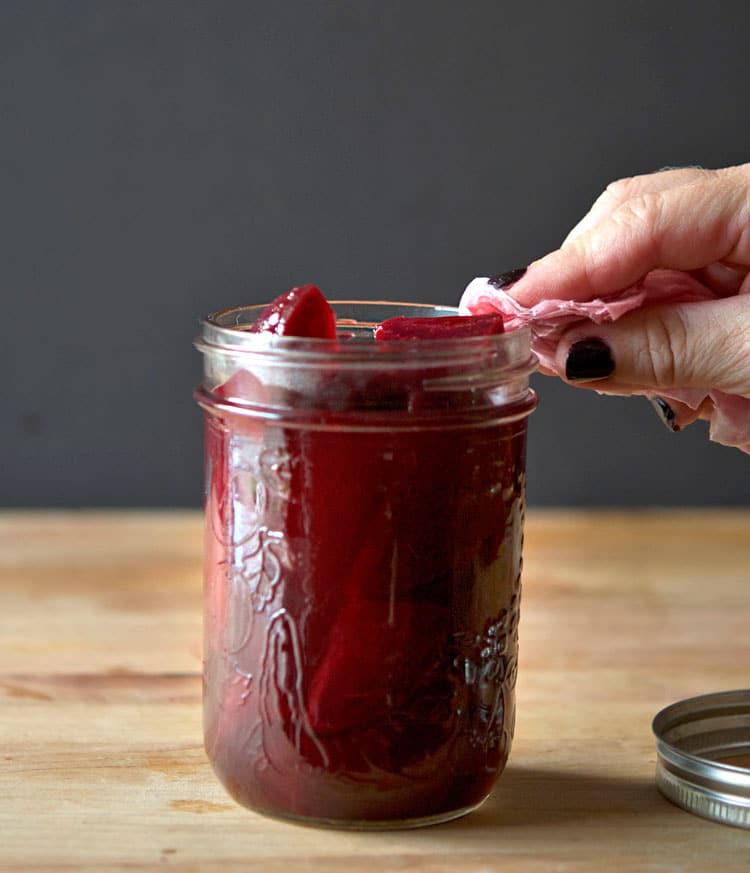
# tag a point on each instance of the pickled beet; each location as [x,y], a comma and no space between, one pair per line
[447,327]
[301,312]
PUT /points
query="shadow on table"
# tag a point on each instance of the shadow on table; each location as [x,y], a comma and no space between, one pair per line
[538,797]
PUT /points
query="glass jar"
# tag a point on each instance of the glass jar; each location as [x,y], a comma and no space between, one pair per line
[364,515]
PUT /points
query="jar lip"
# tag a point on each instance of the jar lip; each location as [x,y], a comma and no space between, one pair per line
[245,316]
[228,331]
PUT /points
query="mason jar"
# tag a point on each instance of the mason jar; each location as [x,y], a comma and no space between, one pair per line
[363,529]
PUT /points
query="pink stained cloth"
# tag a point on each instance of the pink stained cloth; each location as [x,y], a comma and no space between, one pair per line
[550,319]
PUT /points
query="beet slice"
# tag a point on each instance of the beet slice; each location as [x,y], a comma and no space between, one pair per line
[445,327]
[302,312]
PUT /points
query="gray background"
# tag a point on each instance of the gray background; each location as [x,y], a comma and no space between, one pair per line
[160,160]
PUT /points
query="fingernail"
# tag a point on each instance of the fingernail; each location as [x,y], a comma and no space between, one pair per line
[503,280]
[665,413]
[588,360]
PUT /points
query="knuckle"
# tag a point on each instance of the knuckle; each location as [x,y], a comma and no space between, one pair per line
[589,252]
[705,174]
[640,219]
[663,358]
[616,193]
[622,187]
[643,208]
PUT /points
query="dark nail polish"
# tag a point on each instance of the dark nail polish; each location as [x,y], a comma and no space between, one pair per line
[503,280]
[666,413]
[588,360]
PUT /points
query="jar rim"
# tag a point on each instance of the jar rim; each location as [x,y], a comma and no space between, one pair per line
[228,331]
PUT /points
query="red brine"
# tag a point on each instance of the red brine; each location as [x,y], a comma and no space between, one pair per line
[363,556]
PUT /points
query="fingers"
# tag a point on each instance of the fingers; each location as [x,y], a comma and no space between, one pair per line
[676,415]
[619,192]
[691,345]
[685,227]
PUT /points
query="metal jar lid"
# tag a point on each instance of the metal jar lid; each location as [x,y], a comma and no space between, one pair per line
[703,755]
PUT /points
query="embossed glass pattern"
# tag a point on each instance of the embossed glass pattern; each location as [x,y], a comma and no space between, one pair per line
[364,514]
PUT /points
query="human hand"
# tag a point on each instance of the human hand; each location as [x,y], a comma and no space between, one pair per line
[690,220]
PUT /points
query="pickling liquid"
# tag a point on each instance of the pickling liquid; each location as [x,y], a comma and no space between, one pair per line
[362,603]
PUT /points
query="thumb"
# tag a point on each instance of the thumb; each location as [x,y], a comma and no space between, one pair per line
[683,228]
[688,345]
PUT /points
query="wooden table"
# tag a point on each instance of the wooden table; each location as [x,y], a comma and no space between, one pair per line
[100,729]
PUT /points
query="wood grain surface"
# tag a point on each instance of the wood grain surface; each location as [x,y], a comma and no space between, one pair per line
[102,766]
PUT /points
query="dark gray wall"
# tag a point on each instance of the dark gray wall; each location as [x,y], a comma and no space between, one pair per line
[162,159]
